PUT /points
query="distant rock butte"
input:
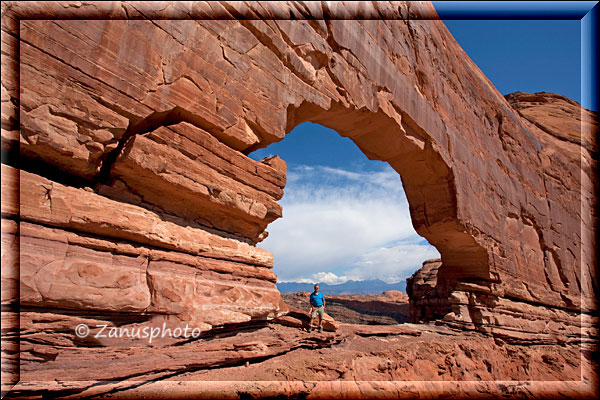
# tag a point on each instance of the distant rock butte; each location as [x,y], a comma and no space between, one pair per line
[128,198]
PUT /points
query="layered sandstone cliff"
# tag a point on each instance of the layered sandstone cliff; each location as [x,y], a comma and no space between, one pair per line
[128,198]
[567,135]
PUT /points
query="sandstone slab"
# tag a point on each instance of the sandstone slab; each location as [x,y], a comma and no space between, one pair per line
[183,181]
[67,270]
[47,202]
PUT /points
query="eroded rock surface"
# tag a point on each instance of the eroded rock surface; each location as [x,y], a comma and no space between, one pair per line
[567,135]
[558,116]
[358,360]
[128,198]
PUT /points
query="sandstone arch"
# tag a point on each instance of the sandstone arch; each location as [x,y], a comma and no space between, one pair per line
[427,179]
[507,203]
[386,84]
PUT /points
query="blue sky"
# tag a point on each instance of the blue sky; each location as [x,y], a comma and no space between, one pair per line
[521,55]
[346,217]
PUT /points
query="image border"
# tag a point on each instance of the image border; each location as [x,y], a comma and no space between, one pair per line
[588,15]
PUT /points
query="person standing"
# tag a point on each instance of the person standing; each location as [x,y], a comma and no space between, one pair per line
[317,306]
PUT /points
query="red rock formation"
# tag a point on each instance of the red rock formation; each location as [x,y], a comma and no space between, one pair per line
[426,303]
[127,192]
[567,139]
[558,116]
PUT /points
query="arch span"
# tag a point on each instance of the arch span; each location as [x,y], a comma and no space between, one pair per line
[497,196]
[427,179]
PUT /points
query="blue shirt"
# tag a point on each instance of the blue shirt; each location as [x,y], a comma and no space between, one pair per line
[317,299]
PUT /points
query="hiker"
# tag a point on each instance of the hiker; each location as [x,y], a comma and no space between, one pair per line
[317,306]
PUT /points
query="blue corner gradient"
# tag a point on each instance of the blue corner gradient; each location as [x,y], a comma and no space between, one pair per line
[589,59]
[529,10]
[584,11]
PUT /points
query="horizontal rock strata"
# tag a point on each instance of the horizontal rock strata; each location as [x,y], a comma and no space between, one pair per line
[406,360]
[566,132]
[214,187]
[127,191]
[81,250]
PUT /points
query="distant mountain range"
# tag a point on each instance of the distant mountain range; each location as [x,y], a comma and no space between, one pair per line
[372,286]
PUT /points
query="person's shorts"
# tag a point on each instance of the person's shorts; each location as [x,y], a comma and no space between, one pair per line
[320,310]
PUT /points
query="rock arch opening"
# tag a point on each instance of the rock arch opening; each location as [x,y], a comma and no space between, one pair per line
[345,218]
[390,136]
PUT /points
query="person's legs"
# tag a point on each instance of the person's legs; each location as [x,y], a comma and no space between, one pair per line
[320,311]
[313,314]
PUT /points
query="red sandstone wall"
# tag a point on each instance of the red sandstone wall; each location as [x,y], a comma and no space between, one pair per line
[130,135]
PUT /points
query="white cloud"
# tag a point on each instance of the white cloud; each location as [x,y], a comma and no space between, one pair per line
[393,264]
[321,277]
[341,225]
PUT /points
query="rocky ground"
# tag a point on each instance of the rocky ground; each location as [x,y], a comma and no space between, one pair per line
[282,350]
[399,352]
[390,361]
